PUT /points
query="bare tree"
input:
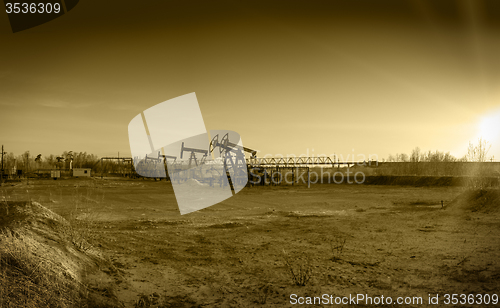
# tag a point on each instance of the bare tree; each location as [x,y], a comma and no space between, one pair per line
[415,155]
[477,155]
[403,157]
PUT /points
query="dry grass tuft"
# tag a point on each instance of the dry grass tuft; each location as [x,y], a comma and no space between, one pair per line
[337,245]
[298,267]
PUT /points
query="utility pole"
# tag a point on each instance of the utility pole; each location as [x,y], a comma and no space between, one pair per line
[2,164]
[27,168]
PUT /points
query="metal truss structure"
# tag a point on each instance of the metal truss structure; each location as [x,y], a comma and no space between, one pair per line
[121,160]
[303,161]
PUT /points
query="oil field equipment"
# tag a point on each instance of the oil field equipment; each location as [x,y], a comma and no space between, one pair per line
[193,154]
[233,160]
[225,145]
[125,165]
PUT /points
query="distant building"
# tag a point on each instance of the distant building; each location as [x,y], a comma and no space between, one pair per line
[55,174]
[81,172]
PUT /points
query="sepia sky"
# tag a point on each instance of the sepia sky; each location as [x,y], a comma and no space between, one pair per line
[291,77]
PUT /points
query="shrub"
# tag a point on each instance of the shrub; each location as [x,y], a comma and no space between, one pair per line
[298,267]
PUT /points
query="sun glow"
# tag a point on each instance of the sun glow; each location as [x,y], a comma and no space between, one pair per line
[489,130]
[489,127]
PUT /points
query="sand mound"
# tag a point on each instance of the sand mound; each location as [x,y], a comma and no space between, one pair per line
[47,236]
[485,201]
[44,261]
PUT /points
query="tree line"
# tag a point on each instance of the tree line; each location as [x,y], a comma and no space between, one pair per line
[32,162]
[475,153]
[474,165]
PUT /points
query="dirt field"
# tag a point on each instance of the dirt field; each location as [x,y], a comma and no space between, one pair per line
[394,241]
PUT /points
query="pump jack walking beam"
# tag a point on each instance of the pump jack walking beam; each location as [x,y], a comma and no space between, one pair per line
[193,154]
[226,145]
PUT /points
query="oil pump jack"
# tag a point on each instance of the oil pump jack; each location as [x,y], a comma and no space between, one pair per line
[165,157]
[226,145]
[193,154]
[158,159]
[156,167]
[229,150]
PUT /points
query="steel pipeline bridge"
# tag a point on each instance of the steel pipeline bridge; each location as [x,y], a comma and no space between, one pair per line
[303,161]
[269,162]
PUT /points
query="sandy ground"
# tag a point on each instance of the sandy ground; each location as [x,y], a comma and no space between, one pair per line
[393,241]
